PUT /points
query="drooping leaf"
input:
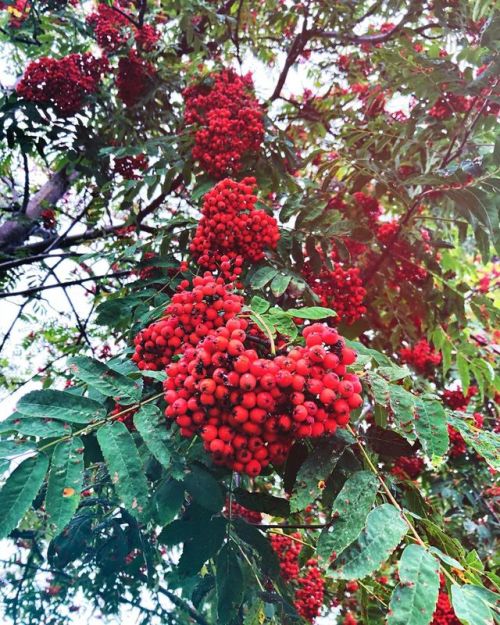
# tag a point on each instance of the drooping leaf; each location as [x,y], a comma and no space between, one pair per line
[168,499]
[384,530]
[32,426]
[472,604]
[430,426]
[65,482]
[349,512]
[204,488]
[253,536]
[70,544]
[19,491]
[229,584]
[262,276]
[485,443]
[125,467]
[263,502]
[106,380]
[414,599]
[51,404]
[150,424]
[202,545]
[312,474]
[280,284]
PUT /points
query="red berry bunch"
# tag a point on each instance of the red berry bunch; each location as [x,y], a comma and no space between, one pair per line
[190,316]
[238,511]
[131,167]
[248,408]
[62,83]
[444,614]
[126,418]
[112,29]
[340,289]
[134,79]
[149,271]
[448,105]
[231,226]
[456,400]
[48,218]
[421,356]
[405,265]
[310,586]
[228,121]
[408,467]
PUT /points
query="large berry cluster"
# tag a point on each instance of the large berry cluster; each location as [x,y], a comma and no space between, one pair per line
[448,105]
[235,510]
[247,406]
[63,83]
[444,614]
[309,587]
[228,121]
[405,267]
[231,226]
[456,400]
[340,288]
[421,356]
[408,467]
[134,78]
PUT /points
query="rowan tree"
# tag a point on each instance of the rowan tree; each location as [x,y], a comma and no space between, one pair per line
[247,258]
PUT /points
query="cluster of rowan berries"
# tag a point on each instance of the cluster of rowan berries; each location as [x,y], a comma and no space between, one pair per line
[444,613]
[235,510]
[112,29]
[361,204]
[248,408]
[230,225]
[448,105]
[310,585]
[456,400]
[134,79]
[408,467]
[48,218]
[405,266]
[228,121]
[421,356]
[131,167]
[62,83]
[372,99]
[127,418]
[340,289]
[150,270]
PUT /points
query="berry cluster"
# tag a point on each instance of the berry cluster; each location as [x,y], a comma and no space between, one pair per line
[456,400]
[134,79]
[448,105]
[422,356]
[230,225]
[444,614]
[131,167]
[150,270]
[126,418]
[112,29]
[48,218]
[63,83]
[238,511]
[310,586]
[340,289]
[405,266]
[228,121]
[408,467]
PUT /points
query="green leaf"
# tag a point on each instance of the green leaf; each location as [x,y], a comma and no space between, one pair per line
[15,447]
[201,189]
[19,490]
[204,488]
[484,442]
[384,530]
[463,370]
[263,502]
[470,605]
[64,483]
[349,512]
[150,424]
[262,276]
[201,545]
[51,404]
[446,559]
[280,284]
[168,500]
[71,544]
[106,380]
[251,535]
[313,312]
[31,426]
[259,305]
[125,467]
[229,584]
[317,467]
[430,426]
[414,598]
[402,404]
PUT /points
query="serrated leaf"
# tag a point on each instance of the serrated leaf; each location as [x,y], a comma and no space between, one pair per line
[280,284]
[125,467]
[384,530]
[201,545]
[430,426]
[204,488]
[229,584]
[446,559]
[259,305]
[168,500]
[311,312]
[463,371]
[262,276]
[316,469]
[470,605]
[19,491]
[106,380]
[51,404]
[349,512]
[414,598]
[402,404]
[64,482]
[16,447]
[484,442]
[32,426]
[151,425]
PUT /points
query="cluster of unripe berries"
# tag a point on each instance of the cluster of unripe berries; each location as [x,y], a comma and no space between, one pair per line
[421,356]
[248,406]
[308,584]
[227,119]
[232,227]
[62,83]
